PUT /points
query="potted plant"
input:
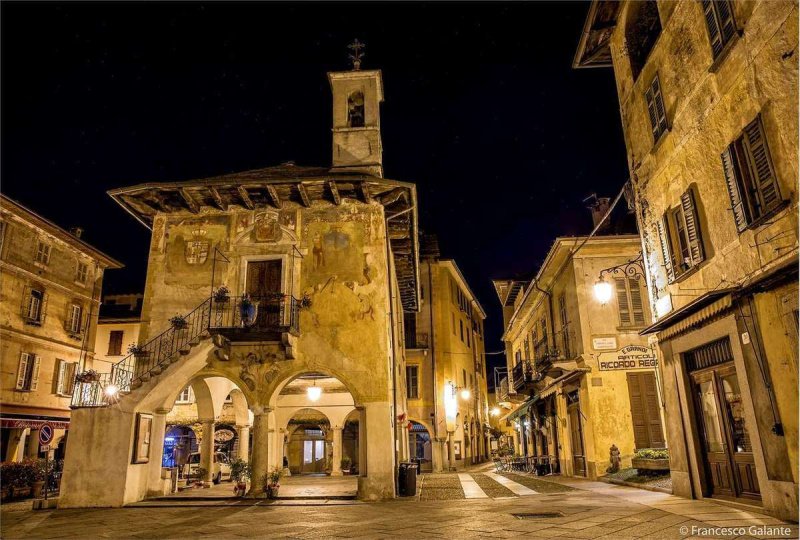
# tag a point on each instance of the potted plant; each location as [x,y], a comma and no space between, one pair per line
[272,483]
[137,351]
[222,295]
[240,474]
[305,302]
[248,310]
[179,322]
[651,459]
[88,376]
[38,475]
[346,463]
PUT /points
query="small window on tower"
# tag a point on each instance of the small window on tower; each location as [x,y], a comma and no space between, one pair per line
[355,110]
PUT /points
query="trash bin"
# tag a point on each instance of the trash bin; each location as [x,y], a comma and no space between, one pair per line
[407,479]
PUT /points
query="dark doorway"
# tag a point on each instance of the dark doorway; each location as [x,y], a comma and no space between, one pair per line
[576,433]
[264,287]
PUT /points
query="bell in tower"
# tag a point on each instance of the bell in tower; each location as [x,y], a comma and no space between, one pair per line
[357,96]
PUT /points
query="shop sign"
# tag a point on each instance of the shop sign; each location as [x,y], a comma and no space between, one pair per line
[630,357]
[604,343]
[223,435]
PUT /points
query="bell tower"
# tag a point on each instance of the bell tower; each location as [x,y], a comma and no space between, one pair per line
[357,96]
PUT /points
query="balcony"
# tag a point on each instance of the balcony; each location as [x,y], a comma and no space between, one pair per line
[255,318]
[416,341]
[524,376]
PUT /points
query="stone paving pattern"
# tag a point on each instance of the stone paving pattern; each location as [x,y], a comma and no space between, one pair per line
[590,510]
[492,488]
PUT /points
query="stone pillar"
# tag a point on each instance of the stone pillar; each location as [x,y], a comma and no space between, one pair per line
[13,453]
[155,485]
[336,466]
[437,451]
[451,451]
[207,450]
[259,456]
[243,433]
[32,444]
[378,472]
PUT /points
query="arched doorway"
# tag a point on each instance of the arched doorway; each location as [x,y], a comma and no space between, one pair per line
[179,443]
[307,448]
[420,448]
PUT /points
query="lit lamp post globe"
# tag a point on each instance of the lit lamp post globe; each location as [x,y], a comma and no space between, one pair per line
[466,394]
[603,291]
[314,393]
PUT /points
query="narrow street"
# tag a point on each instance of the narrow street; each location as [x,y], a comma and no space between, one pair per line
[475,504]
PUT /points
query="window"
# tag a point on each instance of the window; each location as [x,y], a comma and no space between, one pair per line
[115,342]
[655,109]
[73,322]
[681,241]
[562,309]
[641,32]
[518,356]
[629,302]
[412,382]
[82,273]
[750,176]
[65,379]
[228,399]
[453,320]
[355,110]
[43,253]
[186,396]
[461,328]
[720,24]
[33,309]
[410,330]
[28,372]
[468,338]
[527,348]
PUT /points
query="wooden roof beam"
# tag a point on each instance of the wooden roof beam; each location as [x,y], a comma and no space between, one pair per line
[337,200]
[364,189]
[273,195]
[194,208]
[217,198]
[301,188]
[245,196]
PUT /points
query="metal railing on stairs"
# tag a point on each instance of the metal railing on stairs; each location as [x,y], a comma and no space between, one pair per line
[143,361]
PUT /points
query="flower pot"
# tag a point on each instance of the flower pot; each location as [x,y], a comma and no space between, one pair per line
[18,492]
[272,491]
[646,464]
[240,489]
[37,488]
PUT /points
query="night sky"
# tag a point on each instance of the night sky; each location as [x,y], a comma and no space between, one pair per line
[482,111]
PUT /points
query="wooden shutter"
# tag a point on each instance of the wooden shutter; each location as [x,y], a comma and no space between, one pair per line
[22,370]
[666,249]
[637,306]
[651,112]
[734,190]
[658,99]
[115,342]
[62,366]
[763,172]
[69,378]
[43,308]
[26,301]
[35,373]
[727,25]
[712,24]
[641,433]
[692,221]
[622,302]
[654,429]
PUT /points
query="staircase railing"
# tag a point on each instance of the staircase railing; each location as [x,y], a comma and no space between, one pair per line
[146,360]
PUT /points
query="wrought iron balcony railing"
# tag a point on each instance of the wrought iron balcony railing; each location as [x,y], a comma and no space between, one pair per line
[255,314]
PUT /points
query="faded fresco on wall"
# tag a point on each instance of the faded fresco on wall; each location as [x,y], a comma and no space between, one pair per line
[335,250]
[190,249]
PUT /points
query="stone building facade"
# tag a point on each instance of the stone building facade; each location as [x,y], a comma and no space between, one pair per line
[581,378]
[708,94]
[446,371]
[51,283]
[281,276]
[118,328]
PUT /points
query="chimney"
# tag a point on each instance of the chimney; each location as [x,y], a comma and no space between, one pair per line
[599,207]
[77,232]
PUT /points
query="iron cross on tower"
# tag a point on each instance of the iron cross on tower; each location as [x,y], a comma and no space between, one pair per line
[357,55]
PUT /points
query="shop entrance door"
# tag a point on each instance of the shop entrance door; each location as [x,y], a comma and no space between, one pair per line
[313,457]
[727,449]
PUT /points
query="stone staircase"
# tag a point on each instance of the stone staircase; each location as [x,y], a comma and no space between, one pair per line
[144,363]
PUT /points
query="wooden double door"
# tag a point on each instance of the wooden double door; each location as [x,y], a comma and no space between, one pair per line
[264,286]
[727,450]
[575,420]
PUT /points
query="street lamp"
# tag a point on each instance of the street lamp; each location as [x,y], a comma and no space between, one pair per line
[603,290]
[495,411]
[466,394]
[314,392]
[111,390]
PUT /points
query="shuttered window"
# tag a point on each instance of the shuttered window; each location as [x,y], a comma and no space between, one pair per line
[720,24]
[655,109]
[681,237]
[34,306]
[115,342]
[81,273]
[647,428]
[412,382]
[74,319]
[565,342]
[28,372]
[629,302]
[66,377]
[750,176]
[43,253]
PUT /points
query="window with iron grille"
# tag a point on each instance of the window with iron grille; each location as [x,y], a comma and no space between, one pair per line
[750,176]
[719,23]
[655,109]
[681,237]
[629,302]
[412,382]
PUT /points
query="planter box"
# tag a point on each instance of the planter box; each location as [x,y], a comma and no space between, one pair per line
[644,464]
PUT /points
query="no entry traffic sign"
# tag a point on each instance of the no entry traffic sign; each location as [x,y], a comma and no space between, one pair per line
[46,434]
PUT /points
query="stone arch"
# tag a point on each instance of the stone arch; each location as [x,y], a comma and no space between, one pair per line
[291,414]
[424,423]
[240,409]
[275,388]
